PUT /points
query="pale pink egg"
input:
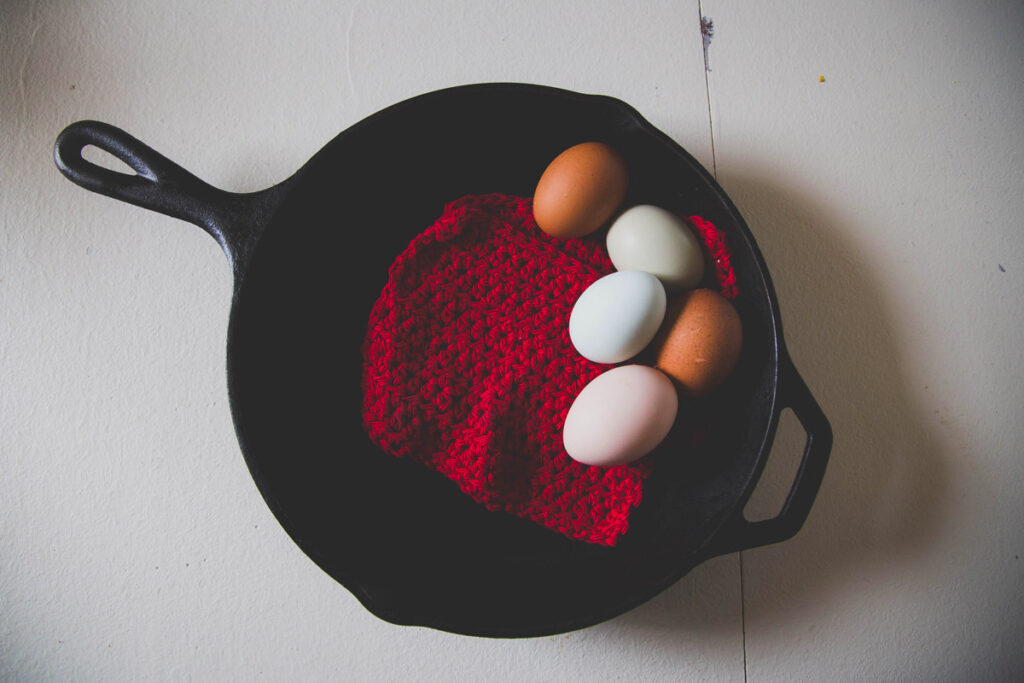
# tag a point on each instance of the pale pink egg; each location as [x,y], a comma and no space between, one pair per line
[622,415]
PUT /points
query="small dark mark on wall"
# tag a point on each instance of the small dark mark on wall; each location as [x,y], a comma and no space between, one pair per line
[707,32]
[1001,269]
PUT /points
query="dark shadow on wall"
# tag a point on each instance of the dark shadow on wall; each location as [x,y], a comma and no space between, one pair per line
[885,494]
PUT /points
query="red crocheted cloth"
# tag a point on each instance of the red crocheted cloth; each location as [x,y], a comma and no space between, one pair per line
[468,368]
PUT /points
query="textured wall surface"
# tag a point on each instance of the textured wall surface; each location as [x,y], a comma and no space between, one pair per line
[877,152]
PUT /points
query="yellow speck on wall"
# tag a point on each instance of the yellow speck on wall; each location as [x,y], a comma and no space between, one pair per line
[821,79]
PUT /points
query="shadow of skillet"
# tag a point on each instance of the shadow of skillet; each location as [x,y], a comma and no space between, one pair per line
[881,501]
[704,604]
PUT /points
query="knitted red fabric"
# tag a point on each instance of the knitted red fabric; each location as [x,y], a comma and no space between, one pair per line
[468,368]
[717,249]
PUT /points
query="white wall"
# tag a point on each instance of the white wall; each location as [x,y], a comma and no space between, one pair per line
[886,199]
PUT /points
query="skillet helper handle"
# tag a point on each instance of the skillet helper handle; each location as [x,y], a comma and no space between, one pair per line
[161,185]
[741,534]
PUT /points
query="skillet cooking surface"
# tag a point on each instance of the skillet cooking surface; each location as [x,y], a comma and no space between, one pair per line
[413,544]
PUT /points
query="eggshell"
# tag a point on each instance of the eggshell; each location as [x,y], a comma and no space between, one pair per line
[617,316]
[657,241]
[700,342]
[580,190]
[621,415]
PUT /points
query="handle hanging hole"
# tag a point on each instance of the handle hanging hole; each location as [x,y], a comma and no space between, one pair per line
[104,159]
[780,471]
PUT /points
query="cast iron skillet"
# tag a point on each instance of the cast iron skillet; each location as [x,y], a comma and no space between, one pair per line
[311,255]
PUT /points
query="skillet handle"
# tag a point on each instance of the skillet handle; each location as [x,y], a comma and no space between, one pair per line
[740,534]
[159,184]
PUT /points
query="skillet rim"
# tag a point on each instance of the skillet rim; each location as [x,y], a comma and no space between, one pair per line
[381,609]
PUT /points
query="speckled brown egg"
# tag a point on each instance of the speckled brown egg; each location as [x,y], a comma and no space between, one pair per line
[580,190]
[700,341]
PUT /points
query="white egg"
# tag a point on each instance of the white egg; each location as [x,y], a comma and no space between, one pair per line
[656,241]
[617,316]
[621,415]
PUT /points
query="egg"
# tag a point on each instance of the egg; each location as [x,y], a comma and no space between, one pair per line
[621,415]
[699,344]
[654,240]
[617,316]
[580,190]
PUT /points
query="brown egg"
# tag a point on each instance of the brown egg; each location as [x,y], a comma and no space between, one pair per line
[699,342]
[580,190]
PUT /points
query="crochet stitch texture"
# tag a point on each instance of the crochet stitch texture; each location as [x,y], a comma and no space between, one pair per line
[468,368]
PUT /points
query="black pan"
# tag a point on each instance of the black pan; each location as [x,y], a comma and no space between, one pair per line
[311,255]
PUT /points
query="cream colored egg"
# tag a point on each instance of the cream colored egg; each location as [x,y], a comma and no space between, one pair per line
[620,416]
[658,242]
